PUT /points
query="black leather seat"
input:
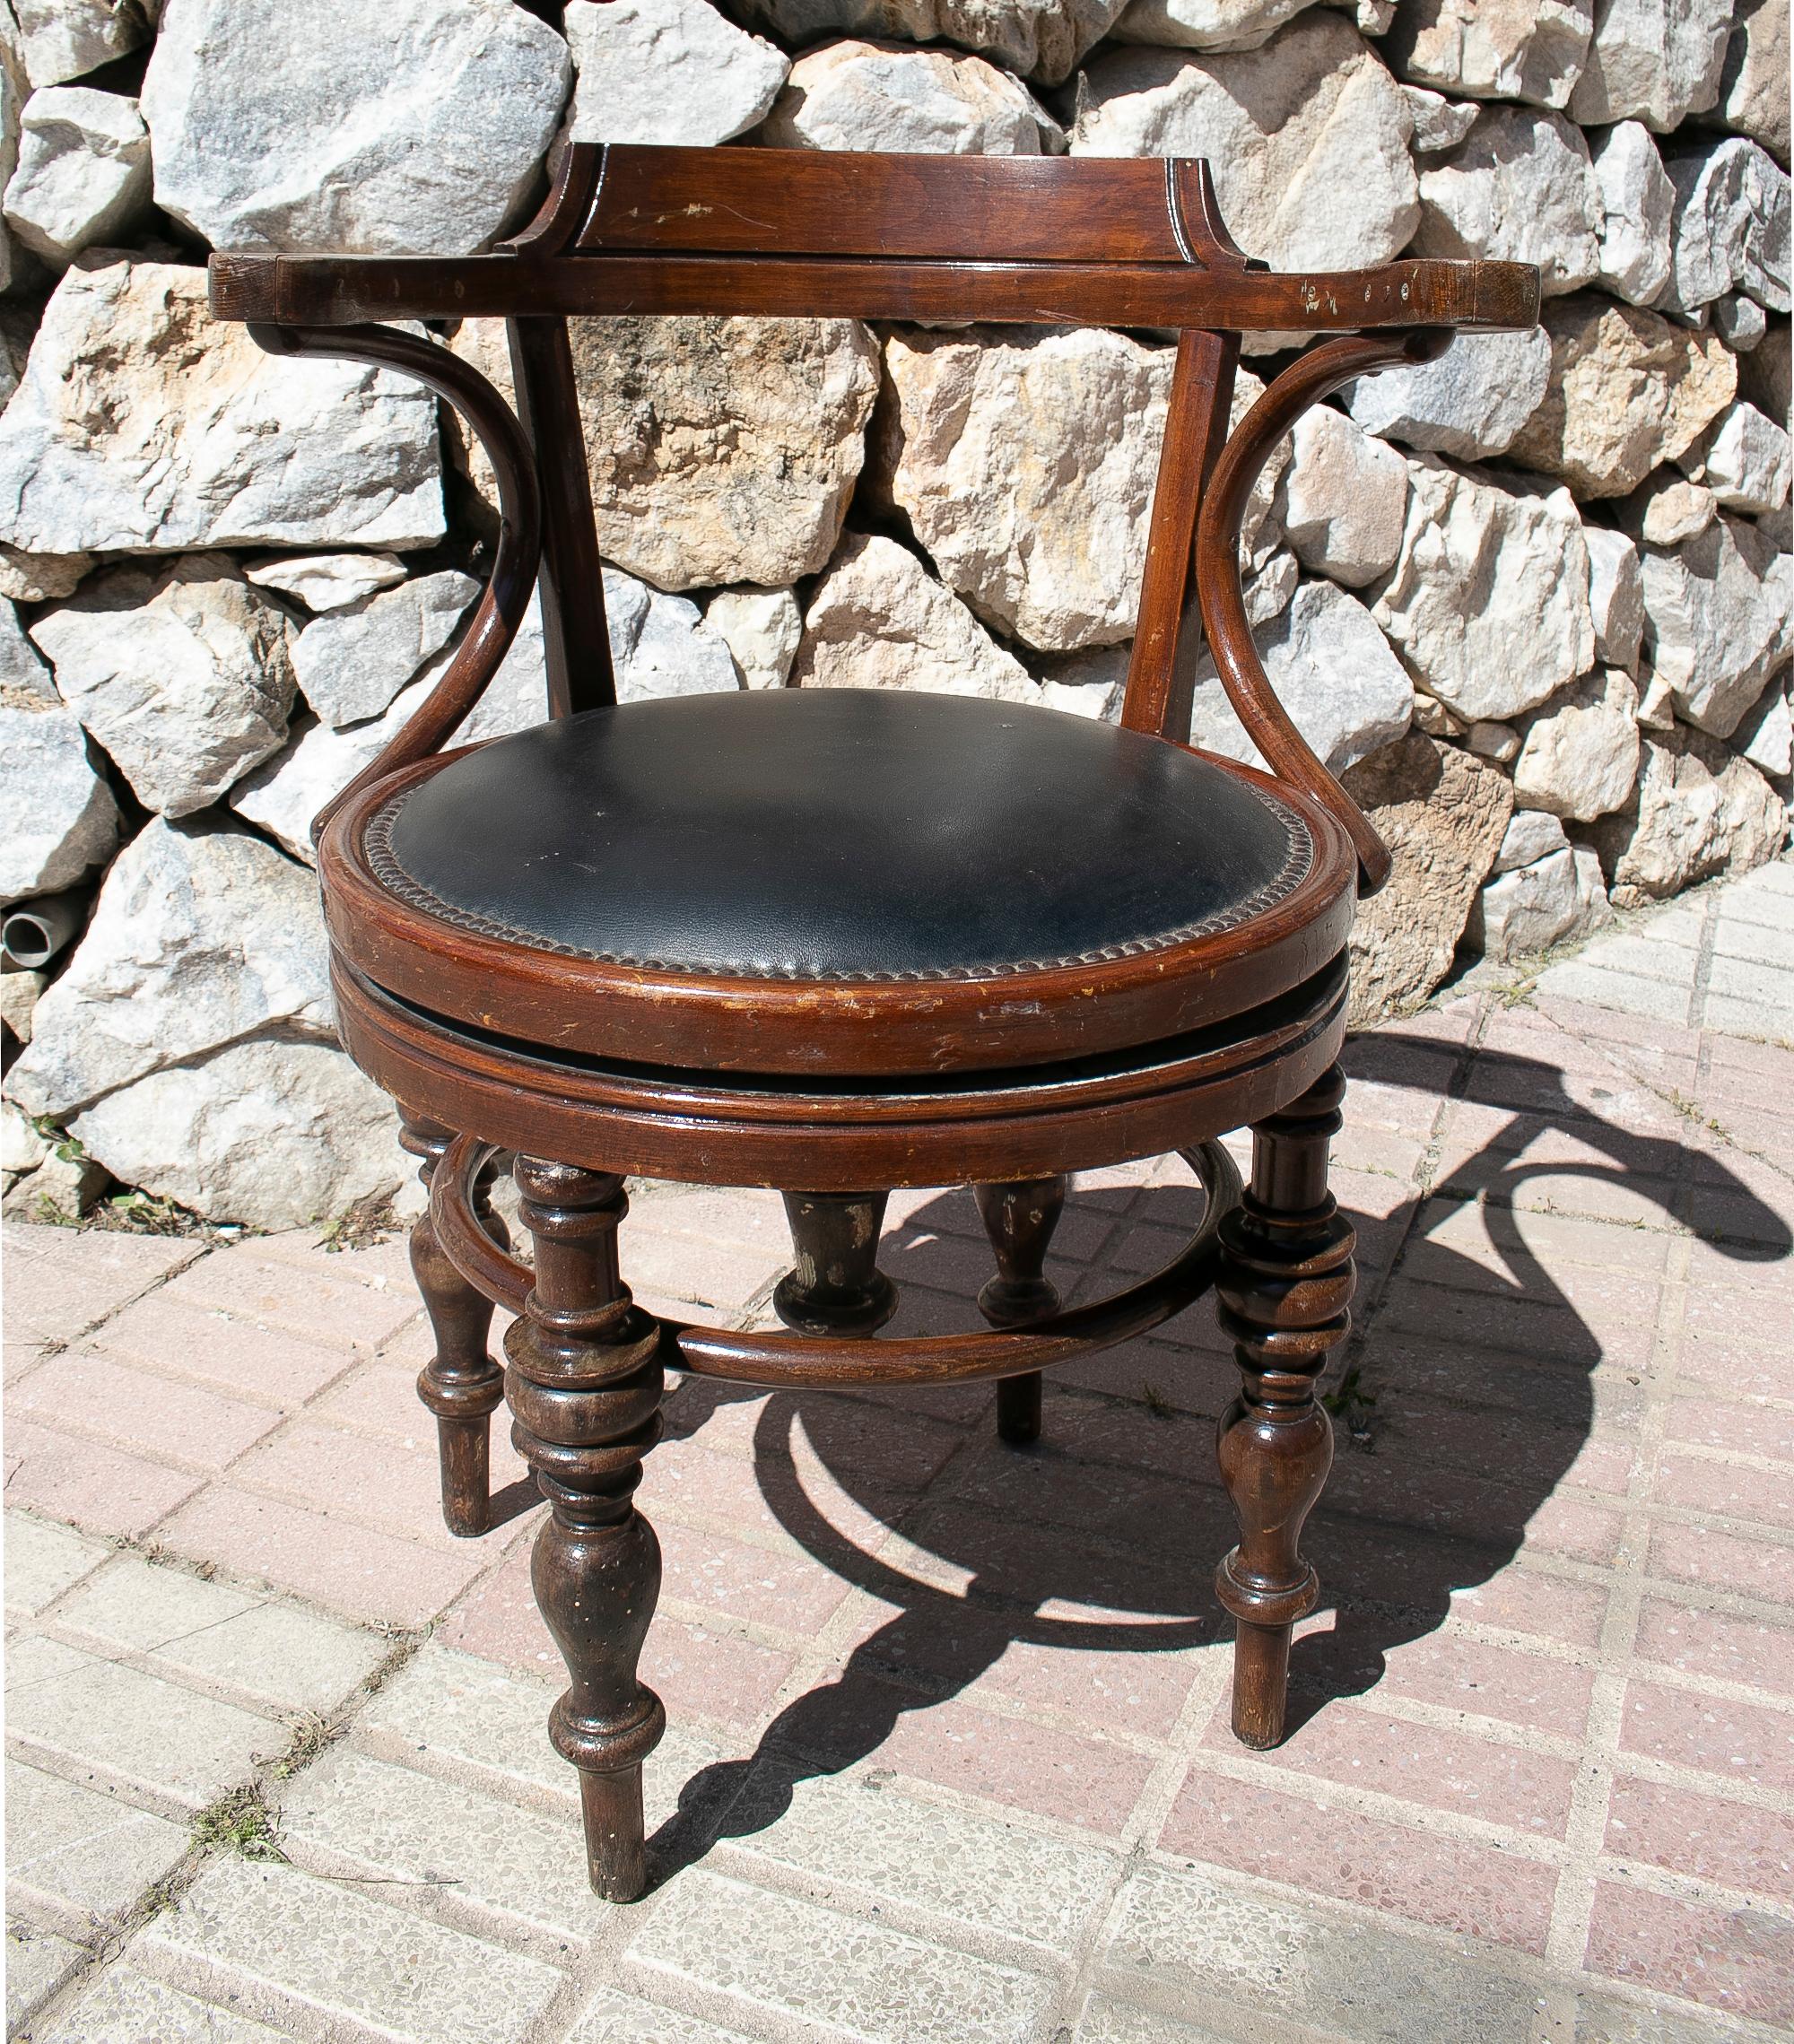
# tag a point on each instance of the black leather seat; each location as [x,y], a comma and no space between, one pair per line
[837,834]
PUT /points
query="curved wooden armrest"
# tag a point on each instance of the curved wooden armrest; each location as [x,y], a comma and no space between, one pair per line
[1219,591]
[505,602]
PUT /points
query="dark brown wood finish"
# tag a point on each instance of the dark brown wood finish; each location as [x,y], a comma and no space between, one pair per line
[1020,1219]
[1007,1083]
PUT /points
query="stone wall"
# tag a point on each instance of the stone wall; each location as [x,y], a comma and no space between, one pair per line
[1532,600]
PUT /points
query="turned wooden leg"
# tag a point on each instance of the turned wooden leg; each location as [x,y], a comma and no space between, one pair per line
[1020,1219]
[837,1287]
[461,1383]
[584,1386]
[1284,1290]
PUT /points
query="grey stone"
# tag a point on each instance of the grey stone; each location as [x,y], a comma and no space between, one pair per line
[59,1192]
[1334,674]
[1489,739]
[1627,391]
[351,662]
[22,1150]
[1638,205]
[60,817]
[41,577]
[66,38]
[1580,757]
[1438,124]
[667,71]
[348,1957]
[1615,596]
[723,450]
[1753,85]
[1765,732]
[185,679]
[144,424]
[1740,322]
[20,666]
[1306,138]
[12,92]
[757,1948]
[1026,468]
[1531,835]
[19,992]
[202,936]
[1664,513]
[1764,374]
[415,128]
[1530,49]
[1342,502]
[1557,899]
[83,172]
[1654,60]
[761,629]
[1488,604]
[1744,461]
[1717,621]
[1519,188]
[879,620]
[1470,403]
[862,95]
[326,581]
[660,644]
[1699,811]
[1042,39]
[1206,24]
[1730,227]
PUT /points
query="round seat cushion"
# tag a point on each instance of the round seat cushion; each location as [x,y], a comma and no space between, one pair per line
[838,835]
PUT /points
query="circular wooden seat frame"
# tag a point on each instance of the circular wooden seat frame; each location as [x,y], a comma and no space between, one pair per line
[573,1073]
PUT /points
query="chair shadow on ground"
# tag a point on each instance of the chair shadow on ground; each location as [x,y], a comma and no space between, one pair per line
[1119,1508]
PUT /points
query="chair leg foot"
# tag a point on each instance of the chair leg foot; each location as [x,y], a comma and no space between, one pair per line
[1020,1219]
[461,1383]
[584,1384]
[837,1287]
[1285,1292]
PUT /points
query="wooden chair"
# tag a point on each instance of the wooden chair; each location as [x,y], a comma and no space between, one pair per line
[831,941]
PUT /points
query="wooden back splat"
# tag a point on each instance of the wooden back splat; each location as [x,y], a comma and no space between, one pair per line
[1117,243]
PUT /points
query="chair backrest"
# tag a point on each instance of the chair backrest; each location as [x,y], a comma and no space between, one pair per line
[1135,242]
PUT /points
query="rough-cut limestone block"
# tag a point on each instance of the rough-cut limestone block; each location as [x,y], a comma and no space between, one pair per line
[1764,375]
[1333,673]
[1615,596]
[1558,900]
[21,665]
[862,95]
[60,817]
[879,620]
[1438,124]
[1026,466]
[761,629]
[41,577]
[326,581]
[1342,502]
[1521,49]
[1753,85]
[143,424]
[1717,621]
[269,1133]
[1519,188]
[1627,390]
[723,450]
[1740,322]
[1638,205]
[1442,813]
[1206,24]
[1307,137]
[351,662]
[1488,604]
[1667,508]
[1699,811]
[1655,60]
[1765,732]
[667,71]
[412,128]
[1579,756]
[1041,39]
[61,39]
[1743,461]
[186,678]
[83,172]
[1468,404]
[1729,227]
[203,935]
[1531,835]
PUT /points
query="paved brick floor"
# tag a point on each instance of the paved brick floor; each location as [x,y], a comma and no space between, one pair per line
[949,1756]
